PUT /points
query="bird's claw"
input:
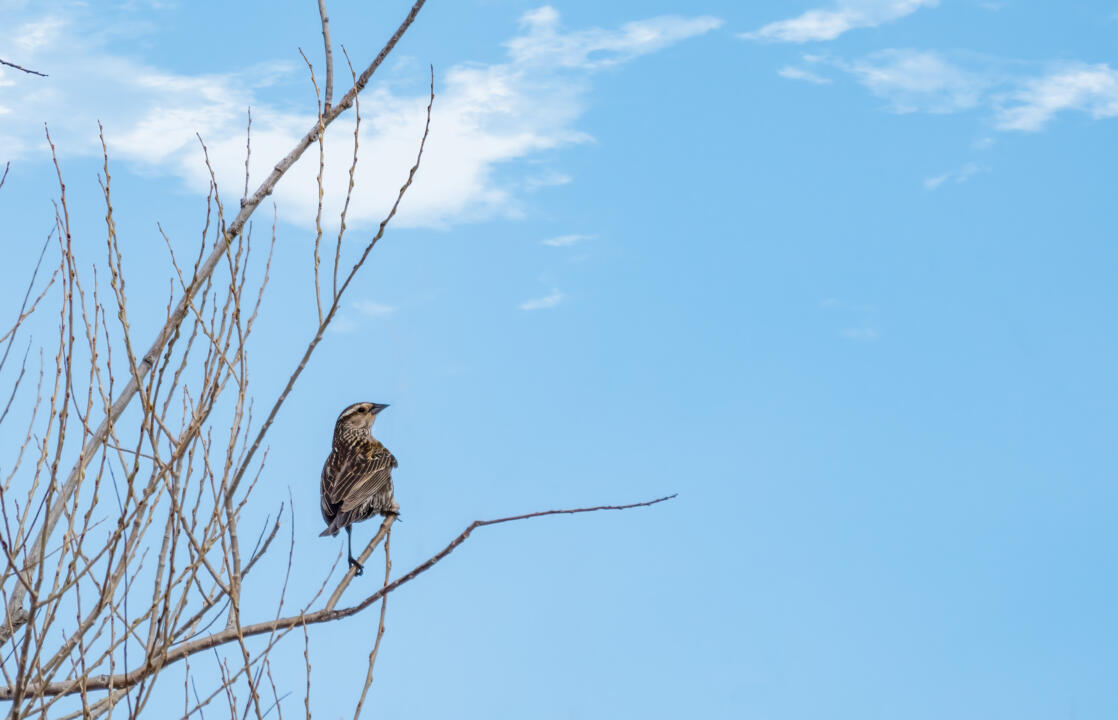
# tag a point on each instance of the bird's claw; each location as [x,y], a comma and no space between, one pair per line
[358,567]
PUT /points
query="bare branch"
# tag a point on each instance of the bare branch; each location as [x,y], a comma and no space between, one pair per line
[328,93]
[111,594]
[380,632]
[22,69]
[15,614]
[235,634]
[337,298]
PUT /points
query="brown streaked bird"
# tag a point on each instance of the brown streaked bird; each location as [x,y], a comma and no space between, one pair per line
[357,476]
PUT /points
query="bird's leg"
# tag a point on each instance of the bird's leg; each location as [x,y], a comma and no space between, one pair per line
[352,560]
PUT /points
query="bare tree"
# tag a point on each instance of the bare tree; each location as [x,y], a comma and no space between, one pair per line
[134,559]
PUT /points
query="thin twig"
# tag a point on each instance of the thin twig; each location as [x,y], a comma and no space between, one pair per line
[337,299]
[130,678]
[21,68]
[328,93]
[380,631]
[15,614]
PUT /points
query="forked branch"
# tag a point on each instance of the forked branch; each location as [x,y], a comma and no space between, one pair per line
[228,635]
[15,614]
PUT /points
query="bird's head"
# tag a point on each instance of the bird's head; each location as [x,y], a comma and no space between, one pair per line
[358,416]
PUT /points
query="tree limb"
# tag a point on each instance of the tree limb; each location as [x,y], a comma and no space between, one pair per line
[21,68]
[15,615]
[127,679]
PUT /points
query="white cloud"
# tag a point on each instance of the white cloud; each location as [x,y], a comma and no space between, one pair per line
[543,303]
[485,117]
[912,80]
[544,42]
[934,182]
[797,73]
[961,175]
[37,34]
[565,240]
[368,308]
[923,81]
[342,325]
[968,171]
[1092,89]
[846,15]
[549,178]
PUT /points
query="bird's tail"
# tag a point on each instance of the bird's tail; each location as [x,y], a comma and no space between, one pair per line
[337,523]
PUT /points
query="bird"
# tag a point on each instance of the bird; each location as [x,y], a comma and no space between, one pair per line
[357,475]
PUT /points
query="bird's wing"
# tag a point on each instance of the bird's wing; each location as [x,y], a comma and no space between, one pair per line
[360,477]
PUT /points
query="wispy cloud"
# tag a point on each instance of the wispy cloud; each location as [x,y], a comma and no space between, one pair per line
[935,181]
[1018,99]
[565,240]
[912,81]
[798,73]
[968,171]
[548,178]
[1092,89]
[543,303]
[368,308]
[36,34]
[486,118]
[593,48]
[828,24]
[859,319]
[961,175]
[343,325]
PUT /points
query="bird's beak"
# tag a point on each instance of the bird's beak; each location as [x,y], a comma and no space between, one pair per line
[377,407]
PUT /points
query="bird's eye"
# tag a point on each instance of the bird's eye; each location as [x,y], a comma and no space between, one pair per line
[362,409]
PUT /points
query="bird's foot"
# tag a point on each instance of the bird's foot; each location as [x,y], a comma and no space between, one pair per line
[359,568]
[394,513]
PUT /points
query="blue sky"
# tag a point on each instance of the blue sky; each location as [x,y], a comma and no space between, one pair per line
[841,274]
